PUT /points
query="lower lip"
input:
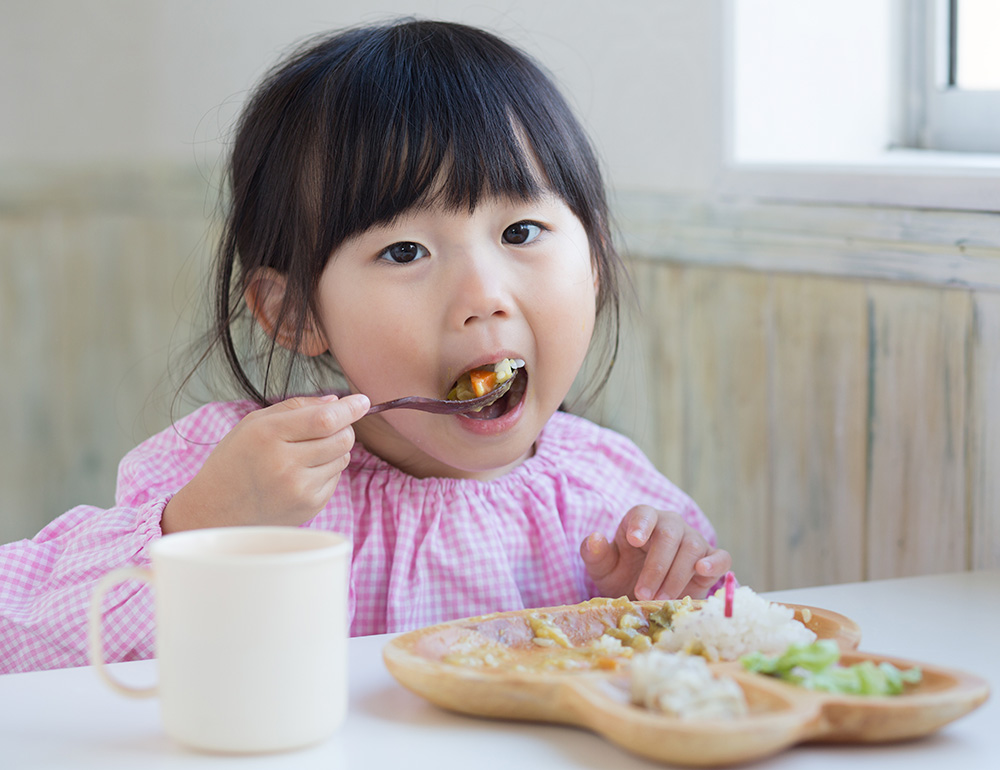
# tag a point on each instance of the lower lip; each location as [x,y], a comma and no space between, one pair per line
[495,426]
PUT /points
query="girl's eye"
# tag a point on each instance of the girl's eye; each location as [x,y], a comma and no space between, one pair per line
[403,253]
[521,232]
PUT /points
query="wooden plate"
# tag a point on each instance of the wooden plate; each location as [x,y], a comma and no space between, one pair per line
[781,714]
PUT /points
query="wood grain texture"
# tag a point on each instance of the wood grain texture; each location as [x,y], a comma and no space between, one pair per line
[917,479]
[818,421]
[96,298]
[630,396]
[984,432]
[662,326]
[726,451]
[937,248]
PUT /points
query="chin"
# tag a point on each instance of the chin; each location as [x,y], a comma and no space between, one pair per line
[486,464]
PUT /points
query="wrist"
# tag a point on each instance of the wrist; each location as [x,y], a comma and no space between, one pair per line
[183,513]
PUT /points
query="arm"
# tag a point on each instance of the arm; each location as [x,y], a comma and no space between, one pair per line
[46,584]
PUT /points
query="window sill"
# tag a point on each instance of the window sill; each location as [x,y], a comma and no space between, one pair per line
[898,178]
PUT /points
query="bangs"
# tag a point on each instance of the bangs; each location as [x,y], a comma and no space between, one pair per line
[424,114]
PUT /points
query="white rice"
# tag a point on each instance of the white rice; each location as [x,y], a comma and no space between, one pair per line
[683,686]
[756,624]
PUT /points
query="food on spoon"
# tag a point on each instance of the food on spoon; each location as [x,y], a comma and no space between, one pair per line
[480,381]
[815,666]
[683,686]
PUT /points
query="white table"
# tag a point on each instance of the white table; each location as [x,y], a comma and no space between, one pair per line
[69,719]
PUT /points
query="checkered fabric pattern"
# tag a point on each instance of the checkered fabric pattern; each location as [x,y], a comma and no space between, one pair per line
[425,550]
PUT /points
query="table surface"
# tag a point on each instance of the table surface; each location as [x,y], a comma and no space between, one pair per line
[69,719]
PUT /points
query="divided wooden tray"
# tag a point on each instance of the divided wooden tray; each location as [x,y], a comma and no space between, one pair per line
[781,714]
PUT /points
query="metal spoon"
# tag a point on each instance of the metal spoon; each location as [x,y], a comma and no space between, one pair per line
[444,406]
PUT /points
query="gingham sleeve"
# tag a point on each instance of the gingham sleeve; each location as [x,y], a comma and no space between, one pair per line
[46,582]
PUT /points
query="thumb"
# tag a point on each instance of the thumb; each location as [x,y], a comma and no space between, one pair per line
[358,405]
[600,557]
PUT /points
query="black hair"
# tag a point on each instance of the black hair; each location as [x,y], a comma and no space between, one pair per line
[355,128]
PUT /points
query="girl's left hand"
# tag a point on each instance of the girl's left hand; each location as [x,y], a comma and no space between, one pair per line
[654,555]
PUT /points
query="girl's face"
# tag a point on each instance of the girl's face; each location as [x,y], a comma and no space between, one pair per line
[406,308]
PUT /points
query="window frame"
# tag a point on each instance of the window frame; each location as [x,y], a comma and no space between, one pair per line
[897,175]
[941,115]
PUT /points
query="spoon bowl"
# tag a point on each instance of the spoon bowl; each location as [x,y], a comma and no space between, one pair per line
[445,406]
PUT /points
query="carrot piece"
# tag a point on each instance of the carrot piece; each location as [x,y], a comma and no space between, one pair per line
[482,381]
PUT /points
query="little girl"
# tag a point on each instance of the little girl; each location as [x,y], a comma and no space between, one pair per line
[408,203]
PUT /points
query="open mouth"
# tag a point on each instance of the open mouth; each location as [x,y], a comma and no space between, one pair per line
[482,380]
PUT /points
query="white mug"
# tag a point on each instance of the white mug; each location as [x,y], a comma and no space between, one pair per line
[251,636]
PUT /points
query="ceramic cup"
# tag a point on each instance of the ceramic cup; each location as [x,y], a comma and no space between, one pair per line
[251,636]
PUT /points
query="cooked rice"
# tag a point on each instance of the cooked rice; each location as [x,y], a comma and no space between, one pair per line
[756,624]
[683,686]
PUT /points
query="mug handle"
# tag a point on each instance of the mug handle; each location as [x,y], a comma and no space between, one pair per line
[95,619]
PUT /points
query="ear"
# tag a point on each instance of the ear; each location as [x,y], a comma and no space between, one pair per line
[265,295]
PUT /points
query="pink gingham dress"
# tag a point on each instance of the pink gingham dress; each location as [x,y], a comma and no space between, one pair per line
[425,550]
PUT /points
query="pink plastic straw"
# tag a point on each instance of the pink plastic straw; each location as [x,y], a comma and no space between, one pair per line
[730,592]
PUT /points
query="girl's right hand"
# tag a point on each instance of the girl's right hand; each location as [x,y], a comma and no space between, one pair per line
[279,465]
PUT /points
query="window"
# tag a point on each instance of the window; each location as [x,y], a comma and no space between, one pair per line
[882,102]
[953,92]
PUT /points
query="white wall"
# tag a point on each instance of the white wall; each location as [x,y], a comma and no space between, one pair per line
[158,81]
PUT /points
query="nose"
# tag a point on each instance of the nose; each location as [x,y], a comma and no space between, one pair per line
[481,289]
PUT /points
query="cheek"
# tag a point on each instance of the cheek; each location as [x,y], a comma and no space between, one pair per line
[567,321]
[373,339]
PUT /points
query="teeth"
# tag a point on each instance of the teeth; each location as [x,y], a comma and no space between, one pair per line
[505,369]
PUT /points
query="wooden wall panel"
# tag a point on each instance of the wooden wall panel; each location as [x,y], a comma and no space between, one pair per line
[726,452]
[917,474]
[661,319]
[819,413]
[95,304]
[984,432]
[631,397]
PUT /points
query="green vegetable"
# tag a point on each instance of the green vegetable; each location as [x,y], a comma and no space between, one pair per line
[814,666]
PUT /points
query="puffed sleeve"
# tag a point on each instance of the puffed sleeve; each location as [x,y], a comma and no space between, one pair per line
[46,582]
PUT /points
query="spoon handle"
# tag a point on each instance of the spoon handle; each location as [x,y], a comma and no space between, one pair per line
[443,406]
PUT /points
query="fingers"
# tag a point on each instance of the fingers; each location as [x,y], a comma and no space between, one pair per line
[307,418]
[714,566]
[709,571]
[638,525]
[683,578]
[673,551]
[599,556]
[327,477]
[669,562]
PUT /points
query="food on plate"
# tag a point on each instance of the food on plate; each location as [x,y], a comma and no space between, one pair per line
[683,686]
[483,379]
[545,645]
[588,665]
[815,666]
[604,634]
[755,625]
